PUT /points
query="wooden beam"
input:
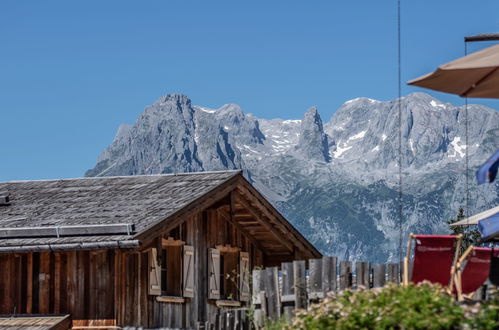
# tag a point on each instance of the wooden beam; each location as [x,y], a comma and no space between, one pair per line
[247,224]
[227,248]
[57,283]
[173,300]
[248,190]
[279,235]
[249,198]
[242,230]
[244,216]
[170,241]
[29,286]
[228,303]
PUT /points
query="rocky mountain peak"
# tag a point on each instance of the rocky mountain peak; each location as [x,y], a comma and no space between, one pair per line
[233,110]
[171,105]
[313,142]
[244,129]
[179,100]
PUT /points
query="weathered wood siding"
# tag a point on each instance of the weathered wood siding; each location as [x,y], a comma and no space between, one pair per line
[207,229]
[80,283]
[111,287]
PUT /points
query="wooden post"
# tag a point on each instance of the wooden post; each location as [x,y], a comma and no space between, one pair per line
[406,261]
[458,272]
[362,274]
[264,310]
[457,251]
[258,285]
[345,275]
[379,271]
[288,290]
[315,279]
[29,284]
[393,273]
[329,273]
[230,315]
[57,283]
[300,284]
[272,293]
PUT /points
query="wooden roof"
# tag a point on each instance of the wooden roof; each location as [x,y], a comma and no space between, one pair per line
[148,203]
[49,322]
[139,200]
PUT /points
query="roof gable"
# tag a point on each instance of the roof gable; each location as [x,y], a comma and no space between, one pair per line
[136,200]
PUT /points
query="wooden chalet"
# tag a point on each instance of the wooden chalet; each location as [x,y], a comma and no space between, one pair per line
[152,251]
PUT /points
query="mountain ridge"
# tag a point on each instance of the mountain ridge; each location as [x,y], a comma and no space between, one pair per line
[336,181]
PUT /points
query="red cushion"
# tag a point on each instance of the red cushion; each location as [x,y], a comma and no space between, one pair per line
[433,257]
[476,269]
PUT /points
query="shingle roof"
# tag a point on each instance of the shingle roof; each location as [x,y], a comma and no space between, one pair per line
[35,322]
[138,200]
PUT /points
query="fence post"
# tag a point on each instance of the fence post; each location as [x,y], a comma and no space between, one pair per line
[288,290]
[231,318]
[300,284]
[345,275]
[258,287]
[329,272]
[264,313]
[393,273]
[272,293]
[362,274]
[315,279]
[379,271]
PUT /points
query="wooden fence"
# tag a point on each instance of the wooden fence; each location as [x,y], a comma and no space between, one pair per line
[277,294]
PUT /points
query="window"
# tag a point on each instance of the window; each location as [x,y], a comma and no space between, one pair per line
[228,273]
[171,269]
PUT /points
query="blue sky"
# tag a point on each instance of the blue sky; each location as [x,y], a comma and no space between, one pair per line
[72,71]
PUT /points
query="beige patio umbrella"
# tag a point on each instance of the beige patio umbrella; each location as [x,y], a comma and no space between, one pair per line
[474,75]
[473,220]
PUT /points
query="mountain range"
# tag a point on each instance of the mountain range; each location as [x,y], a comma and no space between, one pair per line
[336,181]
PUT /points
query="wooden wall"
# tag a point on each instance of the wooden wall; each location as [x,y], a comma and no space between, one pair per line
[205,230]
[76,282]
[110,287]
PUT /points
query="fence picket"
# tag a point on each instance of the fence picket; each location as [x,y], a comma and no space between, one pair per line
[300,284]
[393,273]
[379,271]
[272,293]
[258,286]
[362,274]
[315,279]
[345,275]
[288,290]
[270,302]
[329,272]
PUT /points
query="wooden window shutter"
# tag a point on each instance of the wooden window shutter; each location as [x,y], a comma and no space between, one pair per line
[213,274]
[244,278]
[188,271]
[154,273]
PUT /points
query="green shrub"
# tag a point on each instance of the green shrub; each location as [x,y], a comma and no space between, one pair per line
[483,316]
[422,306]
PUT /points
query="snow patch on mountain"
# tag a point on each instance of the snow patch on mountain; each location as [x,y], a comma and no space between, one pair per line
[458,149]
